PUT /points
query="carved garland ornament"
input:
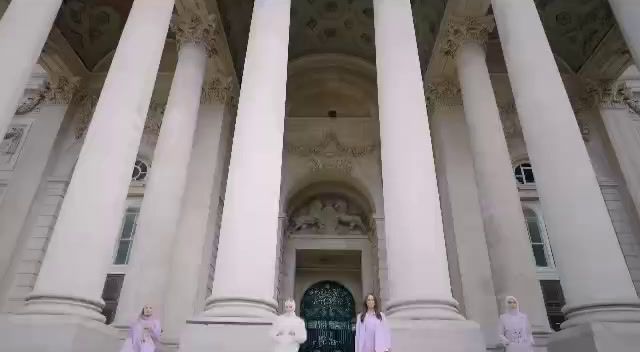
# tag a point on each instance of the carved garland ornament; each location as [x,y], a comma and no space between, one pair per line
[59,91]
[610,94]
[331,147]
[219,90]
[443,93]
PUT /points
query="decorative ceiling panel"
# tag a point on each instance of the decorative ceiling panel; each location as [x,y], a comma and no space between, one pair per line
[93,27]
[575,28]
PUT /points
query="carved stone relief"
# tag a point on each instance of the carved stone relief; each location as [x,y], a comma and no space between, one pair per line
[329,214]
[12,144]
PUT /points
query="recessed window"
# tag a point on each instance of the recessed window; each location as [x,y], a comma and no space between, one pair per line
[140,171]
[524,174]
[129,224]
[538,243]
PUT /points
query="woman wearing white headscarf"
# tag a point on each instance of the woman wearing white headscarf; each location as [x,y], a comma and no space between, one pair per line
[514,328]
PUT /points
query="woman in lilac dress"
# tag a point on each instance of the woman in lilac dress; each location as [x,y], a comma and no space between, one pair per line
[372,331]
[143,334]
[514,328]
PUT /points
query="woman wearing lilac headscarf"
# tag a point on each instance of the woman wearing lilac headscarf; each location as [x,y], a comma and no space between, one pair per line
[143,334]
[372,331]
[514,328]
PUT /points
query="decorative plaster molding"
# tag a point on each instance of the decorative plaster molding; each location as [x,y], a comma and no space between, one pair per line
[443,93]
[462,29]
[60,91]
[192,27]
[30,102]
[610,94]
[218,90]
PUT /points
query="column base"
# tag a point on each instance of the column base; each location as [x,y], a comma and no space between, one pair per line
[424,310]
[238,309]
[597,337]
[42,304]
[47,333]
[239,336]
[436,335]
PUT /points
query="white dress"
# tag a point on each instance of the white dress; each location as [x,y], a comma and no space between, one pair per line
[288,332]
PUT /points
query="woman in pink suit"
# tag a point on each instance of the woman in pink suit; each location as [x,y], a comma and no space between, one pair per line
[143,334]
[372,331]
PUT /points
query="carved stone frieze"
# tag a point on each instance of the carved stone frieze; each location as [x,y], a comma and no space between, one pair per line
[192,27]
[30,102]
[330,147]
[323,164]
[443,93]
[609,94]
[462,29]
[329,214]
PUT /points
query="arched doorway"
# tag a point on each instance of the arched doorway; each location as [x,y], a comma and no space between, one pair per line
[328,309]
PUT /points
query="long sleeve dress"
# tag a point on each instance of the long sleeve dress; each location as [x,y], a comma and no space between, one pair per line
[288,332]
[514,331]
[143,336]
[372,334]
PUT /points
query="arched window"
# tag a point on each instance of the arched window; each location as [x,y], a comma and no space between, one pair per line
[523,173]
[539,242]
[140,170]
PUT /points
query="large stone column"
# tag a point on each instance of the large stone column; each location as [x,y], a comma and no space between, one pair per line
[420,302]
[24,28]
[508,241]
[242,302]
[80,252]
[627,13]
[466,243]
[200,203]
[150,265]
[601,299]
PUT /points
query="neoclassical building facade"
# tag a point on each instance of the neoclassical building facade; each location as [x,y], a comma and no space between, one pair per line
[441,155]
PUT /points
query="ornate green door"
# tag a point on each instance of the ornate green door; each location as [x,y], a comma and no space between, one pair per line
[328,310]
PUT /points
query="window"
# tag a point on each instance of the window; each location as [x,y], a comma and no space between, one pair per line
[536,237]
[129,224]
[110,295]
[140,170]
[523,173]
[553,301]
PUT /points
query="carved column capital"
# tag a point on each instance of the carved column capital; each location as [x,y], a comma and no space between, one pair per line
[192,27]
[443,93]
[463,29]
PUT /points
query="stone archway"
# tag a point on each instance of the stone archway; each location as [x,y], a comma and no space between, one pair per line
[328,309]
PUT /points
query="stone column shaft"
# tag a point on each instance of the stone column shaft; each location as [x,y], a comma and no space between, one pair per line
[24,29]
[81,248]
[418,270]
[245,268]
[150,264]
[627,13]
[576,216]
[200,203]
[512,263]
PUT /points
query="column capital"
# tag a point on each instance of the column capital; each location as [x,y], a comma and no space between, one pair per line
[443,93]
[193,27]
[463,29]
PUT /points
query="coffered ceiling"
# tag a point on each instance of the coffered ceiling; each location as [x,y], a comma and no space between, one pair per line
[576,28]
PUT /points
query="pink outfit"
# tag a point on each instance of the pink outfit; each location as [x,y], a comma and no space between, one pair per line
[372,335]
[515,331]
[143,336]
